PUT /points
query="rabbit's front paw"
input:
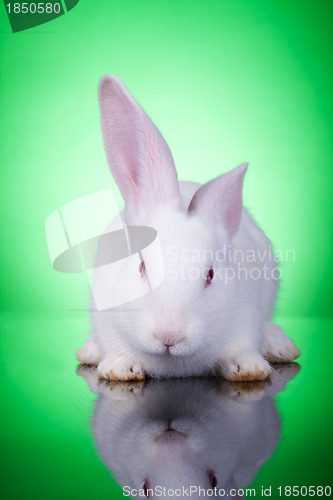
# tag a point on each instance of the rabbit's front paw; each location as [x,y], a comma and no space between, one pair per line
[120,369]
[89,353]
[277,347]
[245,367]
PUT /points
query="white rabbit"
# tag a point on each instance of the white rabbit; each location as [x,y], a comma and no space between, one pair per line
[179,433]
[210,314]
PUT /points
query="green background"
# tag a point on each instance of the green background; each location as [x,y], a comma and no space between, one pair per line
[225,82]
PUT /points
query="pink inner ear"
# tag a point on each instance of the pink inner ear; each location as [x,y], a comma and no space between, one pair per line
[233,206]
[221,199]
[139,158]
[121,147]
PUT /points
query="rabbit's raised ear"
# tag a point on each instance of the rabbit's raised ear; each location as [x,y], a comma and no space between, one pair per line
[221,199]
[138,156]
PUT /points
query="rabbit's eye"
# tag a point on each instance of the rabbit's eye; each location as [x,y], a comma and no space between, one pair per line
[209,277]
[142,268]
[212,478]
[145,488]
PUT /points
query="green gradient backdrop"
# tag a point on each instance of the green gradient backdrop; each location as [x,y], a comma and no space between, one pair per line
[225,81]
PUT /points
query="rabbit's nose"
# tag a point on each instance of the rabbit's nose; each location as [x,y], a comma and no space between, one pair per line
[170,339]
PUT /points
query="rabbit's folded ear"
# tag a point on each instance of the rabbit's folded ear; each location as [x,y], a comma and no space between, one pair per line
[138,156]
[221,199]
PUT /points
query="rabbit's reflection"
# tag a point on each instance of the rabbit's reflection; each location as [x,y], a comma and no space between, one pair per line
[182,433]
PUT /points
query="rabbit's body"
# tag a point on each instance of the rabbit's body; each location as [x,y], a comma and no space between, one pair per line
[212,312]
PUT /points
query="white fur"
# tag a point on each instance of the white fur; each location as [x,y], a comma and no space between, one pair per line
[222,328]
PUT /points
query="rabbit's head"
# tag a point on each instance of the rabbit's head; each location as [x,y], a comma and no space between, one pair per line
[192,222]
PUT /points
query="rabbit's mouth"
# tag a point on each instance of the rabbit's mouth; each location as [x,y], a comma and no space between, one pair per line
[170,354]
[174,350]
[169,342]
[169,351]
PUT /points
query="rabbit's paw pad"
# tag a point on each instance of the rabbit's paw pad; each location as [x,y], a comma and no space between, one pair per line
[110,370]
[277,347]
[89,353]
[246,368]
